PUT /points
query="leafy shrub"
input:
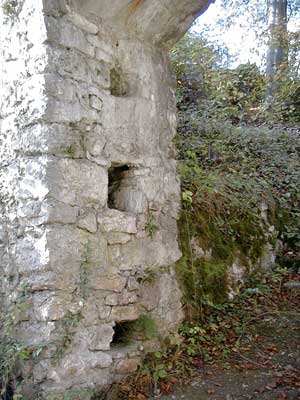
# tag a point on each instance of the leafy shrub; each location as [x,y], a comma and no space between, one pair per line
[226,177]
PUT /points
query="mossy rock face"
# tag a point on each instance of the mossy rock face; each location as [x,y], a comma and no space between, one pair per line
[206,278]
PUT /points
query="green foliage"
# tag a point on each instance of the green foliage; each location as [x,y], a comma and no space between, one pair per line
[227,174]
[286,102]
[66,330]
[73,394]
[147,276]
[155,367]
[145,326]
[12,357]
[151,227]
[227,335]
[208,91]
[14,354]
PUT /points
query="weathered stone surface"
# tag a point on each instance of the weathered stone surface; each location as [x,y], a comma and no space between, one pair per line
[27,333]
[53,212]
[166,309]
[100,337]
[128,298]
[117,221]
[118,238]
[75,102]
[111,300]
[87,220]
[124,313]
[127,366]
[78,183]
[114,283]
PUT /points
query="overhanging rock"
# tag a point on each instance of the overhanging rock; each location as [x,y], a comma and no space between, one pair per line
[89,191]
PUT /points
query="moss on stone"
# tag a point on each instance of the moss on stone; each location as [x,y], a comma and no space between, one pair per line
[205,278]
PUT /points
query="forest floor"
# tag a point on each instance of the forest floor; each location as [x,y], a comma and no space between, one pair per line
[266,364]
[267,367]
[262,356]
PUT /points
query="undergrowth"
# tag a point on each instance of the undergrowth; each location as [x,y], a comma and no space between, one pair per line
[212,343]
[236,183]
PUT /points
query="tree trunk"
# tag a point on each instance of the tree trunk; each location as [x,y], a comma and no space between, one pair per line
[277,56]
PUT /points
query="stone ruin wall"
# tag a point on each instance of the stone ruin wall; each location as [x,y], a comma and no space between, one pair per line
[89,191]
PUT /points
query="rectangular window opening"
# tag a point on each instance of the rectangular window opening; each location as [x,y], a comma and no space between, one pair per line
[116,176]
[124,333]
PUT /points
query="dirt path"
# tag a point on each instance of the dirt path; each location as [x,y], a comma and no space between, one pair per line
[266,367]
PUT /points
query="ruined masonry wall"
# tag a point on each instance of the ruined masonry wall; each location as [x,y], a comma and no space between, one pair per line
[89,192]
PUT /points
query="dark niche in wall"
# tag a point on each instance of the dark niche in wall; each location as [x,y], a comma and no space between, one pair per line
[116,177]
[124,333]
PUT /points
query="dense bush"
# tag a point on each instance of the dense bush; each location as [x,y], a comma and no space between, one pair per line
[229,167]
[208,90]
[227,175]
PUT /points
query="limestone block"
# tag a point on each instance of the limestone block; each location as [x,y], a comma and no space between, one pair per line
[132,284]
[53,212]
[111,300]
[159,251]
[117,221]
[82,23]
[49,280]
[70,64]
[68,183]
[60,88]
[74,370]
[87,220]
[102,55]
[35,333]
[51,306]
[67,34]
[100,337]
[29,210]
[54,139]
[104,312]
[118,238]
[130,200]
[150,300]
[31,100]
[127,298]
[127,366]
[268,257]
[114,283]
[167,311]
[66,112]
[32,184]
[95,102]
[40,371]
[124,313]
[235,275]
[90,314]
[95,141]
[32,254]
[65,249]
[89,360]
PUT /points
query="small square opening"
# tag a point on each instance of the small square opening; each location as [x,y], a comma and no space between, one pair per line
[124,333]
